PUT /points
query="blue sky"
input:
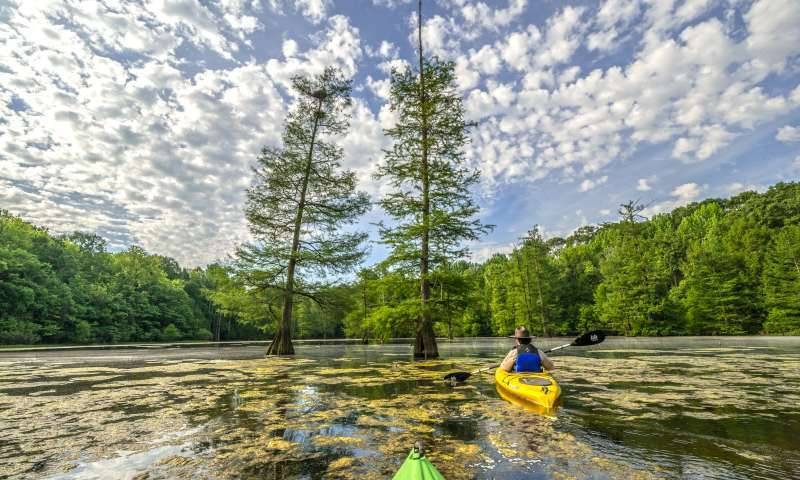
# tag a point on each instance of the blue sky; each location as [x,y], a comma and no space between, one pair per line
[141,120]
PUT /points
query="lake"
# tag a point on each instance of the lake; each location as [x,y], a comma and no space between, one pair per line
[724,408]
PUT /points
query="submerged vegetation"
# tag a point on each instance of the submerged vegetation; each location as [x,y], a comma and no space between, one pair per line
[716,267]
[634,411]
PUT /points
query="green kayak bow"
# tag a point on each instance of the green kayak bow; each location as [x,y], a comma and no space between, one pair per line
[417,467]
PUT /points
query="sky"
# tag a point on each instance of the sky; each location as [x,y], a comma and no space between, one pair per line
[141,120]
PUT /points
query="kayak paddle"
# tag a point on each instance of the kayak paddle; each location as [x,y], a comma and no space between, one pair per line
[588,338]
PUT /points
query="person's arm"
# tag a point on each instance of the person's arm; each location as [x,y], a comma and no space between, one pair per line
[508,363]
[546,362]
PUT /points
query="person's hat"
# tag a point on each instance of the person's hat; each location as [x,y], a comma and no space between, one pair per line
[520,332]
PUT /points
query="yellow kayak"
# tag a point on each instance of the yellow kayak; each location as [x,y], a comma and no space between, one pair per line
[539,390]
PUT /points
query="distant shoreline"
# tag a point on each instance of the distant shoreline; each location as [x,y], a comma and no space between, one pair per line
[329,341]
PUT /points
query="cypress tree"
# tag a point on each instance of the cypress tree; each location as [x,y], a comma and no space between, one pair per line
[425,167]
[300,201]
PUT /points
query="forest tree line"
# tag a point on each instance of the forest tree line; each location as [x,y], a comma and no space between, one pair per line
[717,267]
[70,289]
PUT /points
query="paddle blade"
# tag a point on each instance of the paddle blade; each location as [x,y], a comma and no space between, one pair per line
[589,338]
[458,376]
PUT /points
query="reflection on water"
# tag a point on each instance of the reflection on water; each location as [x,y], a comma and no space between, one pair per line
[651,408]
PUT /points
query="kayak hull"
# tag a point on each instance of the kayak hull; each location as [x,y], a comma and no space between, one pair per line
[540,391]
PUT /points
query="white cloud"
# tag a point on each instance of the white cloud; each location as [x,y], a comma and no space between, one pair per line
[487,60]
[562,38]
[569,74]
[315,10]
[687,192]
[380,88]
[643,185]
[681,195]
[518,47]
[391,3]
[398,64]
[479,14]
[143,152]
[736,188]
[482,251]
[691,9]
[496,99]
[387,50]
[440,36]
[698,88]
[466,77]
[612,17]
[605,212]
[443,35]
[363,146]
[774,32]
[588,184]
[289,48]
[339,45]
[788,134]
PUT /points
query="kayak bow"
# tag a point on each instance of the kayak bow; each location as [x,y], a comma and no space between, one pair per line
[417,467]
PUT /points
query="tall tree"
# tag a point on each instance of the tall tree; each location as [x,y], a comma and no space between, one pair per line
[431,200]
[300,202]
[537,276]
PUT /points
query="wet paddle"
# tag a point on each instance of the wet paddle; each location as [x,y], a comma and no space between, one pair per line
[588,338]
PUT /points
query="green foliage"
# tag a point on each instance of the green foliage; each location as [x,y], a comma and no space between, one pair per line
[170,333]
[69,289]
[82,333]
[718,267]
[782,283]
[721,290]
[632,297]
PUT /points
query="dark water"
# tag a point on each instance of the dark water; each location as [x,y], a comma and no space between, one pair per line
[632,408]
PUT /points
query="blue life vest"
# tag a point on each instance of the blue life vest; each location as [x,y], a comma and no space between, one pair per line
[528,359]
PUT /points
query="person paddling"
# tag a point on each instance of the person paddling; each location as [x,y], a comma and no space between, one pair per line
[525,357]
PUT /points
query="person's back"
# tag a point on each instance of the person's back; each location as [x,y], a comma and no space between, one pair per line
[525,357]
[528,359]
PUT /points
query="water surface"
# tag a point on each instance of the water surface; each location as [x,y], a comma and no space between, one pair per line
[632,408]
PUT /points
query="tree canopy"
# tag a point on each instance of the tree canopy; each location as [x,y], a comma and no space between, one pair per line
[70,289]
[718,267]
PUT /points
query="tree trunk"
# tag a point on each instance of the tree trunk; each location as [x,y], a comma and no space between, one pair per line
[425,346]
[282,342]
